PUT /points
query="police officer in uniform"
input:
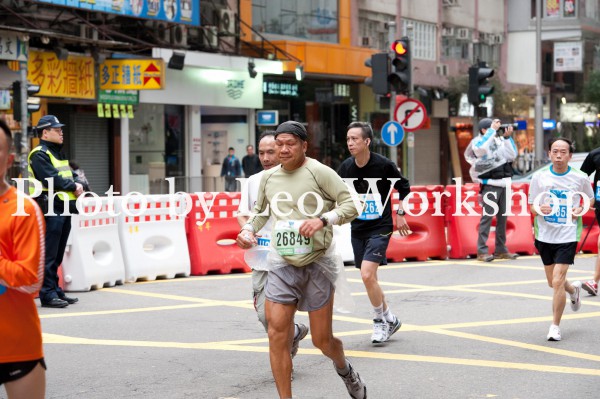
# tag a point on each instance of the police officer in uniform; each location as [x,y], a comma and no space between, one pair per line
[46,163]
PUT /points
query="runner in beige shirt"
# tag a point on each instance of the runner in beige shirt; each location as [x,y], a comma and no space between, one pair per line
[305,198]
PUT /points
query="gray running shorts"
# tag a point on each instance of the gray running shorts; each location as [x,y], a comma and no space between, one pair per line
[306,286]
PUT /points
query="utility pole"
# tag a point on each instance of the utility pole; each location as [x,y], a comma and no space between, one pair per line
[410,137]
[393,151]
[24,119]
[539,132]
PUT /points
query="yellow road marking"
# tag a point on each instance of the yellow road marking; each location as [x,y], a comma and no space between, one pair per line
[517,344]
[135,310]
[208,278]
[61,339]
[245,345]
[470,288]
[171,297]
[473,362]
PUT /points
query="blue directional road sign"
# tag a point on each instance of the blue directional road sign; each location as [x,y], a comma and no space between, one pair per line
[392,133]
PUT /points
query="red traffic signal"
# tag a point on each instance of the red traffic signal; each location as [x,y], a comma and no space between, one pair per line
[400,47]
[400,77]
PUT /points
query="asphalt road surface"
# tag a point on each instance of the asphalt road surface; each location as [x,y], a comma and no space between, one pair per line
[470,330]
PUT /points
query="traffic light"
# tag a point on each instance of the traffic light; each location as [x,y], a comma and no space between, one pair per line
[16,96]
[33,103]
[401,75]
[479,85]
[380,68]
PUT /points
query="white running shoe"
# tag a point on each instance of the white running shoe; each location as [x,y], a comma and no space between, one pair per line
[554,333]
[591,287]
[575,300]
[380,331]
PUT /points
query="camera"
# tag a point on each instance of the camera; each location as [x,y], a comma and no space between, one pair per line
[502,128]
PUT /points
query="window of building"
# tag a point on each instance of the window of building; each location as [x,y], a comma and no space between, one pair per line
[487,53]
[373,33]
[591,9]
[424,45]
[455,49]
[315,20]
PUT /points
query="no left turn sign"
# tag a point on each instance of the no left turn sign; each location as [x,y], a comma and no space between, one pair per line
[411,114]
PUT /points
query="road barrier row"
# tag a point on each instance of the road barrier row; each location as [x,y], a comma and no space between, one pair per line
[126,239]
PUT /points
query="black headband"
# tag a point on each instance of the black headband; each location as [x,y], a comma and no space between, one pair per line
[292,127]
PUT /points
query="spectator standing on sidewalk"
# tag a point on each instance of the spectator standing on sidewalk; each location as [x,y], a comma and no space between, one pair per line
[47,164]
[231,170]
[490,155]
[251,162]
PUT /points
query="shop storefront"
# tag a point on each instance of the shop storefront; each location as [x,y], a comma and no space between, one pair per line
[184,130]
[67,89]
[326,106]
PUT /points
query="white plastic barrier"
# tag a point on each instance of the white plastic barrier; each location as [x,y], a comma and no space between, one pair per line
[93,257]
[152,234]
[343,243]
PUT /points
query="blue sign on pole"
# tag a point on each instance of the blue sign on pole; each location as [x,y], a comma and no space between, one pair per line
[267,118]
[549,124]
[521,125]
[392,133]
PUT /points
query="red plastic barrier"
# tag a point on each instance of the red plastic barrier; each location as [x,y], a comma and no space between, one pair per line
[428,238]
[590,245]
[463,229]
[211,238]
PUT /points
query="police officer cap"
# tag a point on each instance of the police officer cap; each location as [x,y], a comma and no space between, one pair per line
[485,123]
[292,127]
[48,121]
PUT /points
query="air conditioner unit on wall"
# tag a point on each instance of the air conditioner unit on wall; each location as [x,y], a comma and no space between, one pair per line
[463,34]
[162,32]
[447,32]
[449,3]
[226,21]
[441,69]
[487,38]
[210,37]
[179,35]
[499,38]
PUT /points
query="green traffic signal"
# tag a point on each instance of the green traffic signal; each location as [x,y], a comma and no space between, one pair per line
[479,85]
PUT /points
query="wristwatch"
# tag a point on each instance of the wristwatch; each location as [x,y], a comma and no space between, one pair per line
[324,220]
[400,212]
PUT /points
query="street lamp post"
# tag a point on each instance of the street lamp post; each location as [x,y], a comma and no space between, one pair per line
[539,132]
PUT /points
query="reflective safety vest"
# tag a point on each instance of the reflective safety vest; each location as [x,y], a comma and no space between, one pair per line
[63,168]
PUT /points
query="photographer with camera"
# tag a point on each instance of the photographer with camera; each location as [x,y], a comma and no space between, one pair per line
[490,155]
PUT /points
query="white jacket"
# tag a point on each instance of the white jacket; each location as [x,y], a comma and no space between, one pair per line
[487,152]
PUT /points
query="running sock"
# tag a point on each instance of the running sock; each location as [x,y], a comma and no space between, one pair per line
[389,316]
[345,371]
[379,312]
